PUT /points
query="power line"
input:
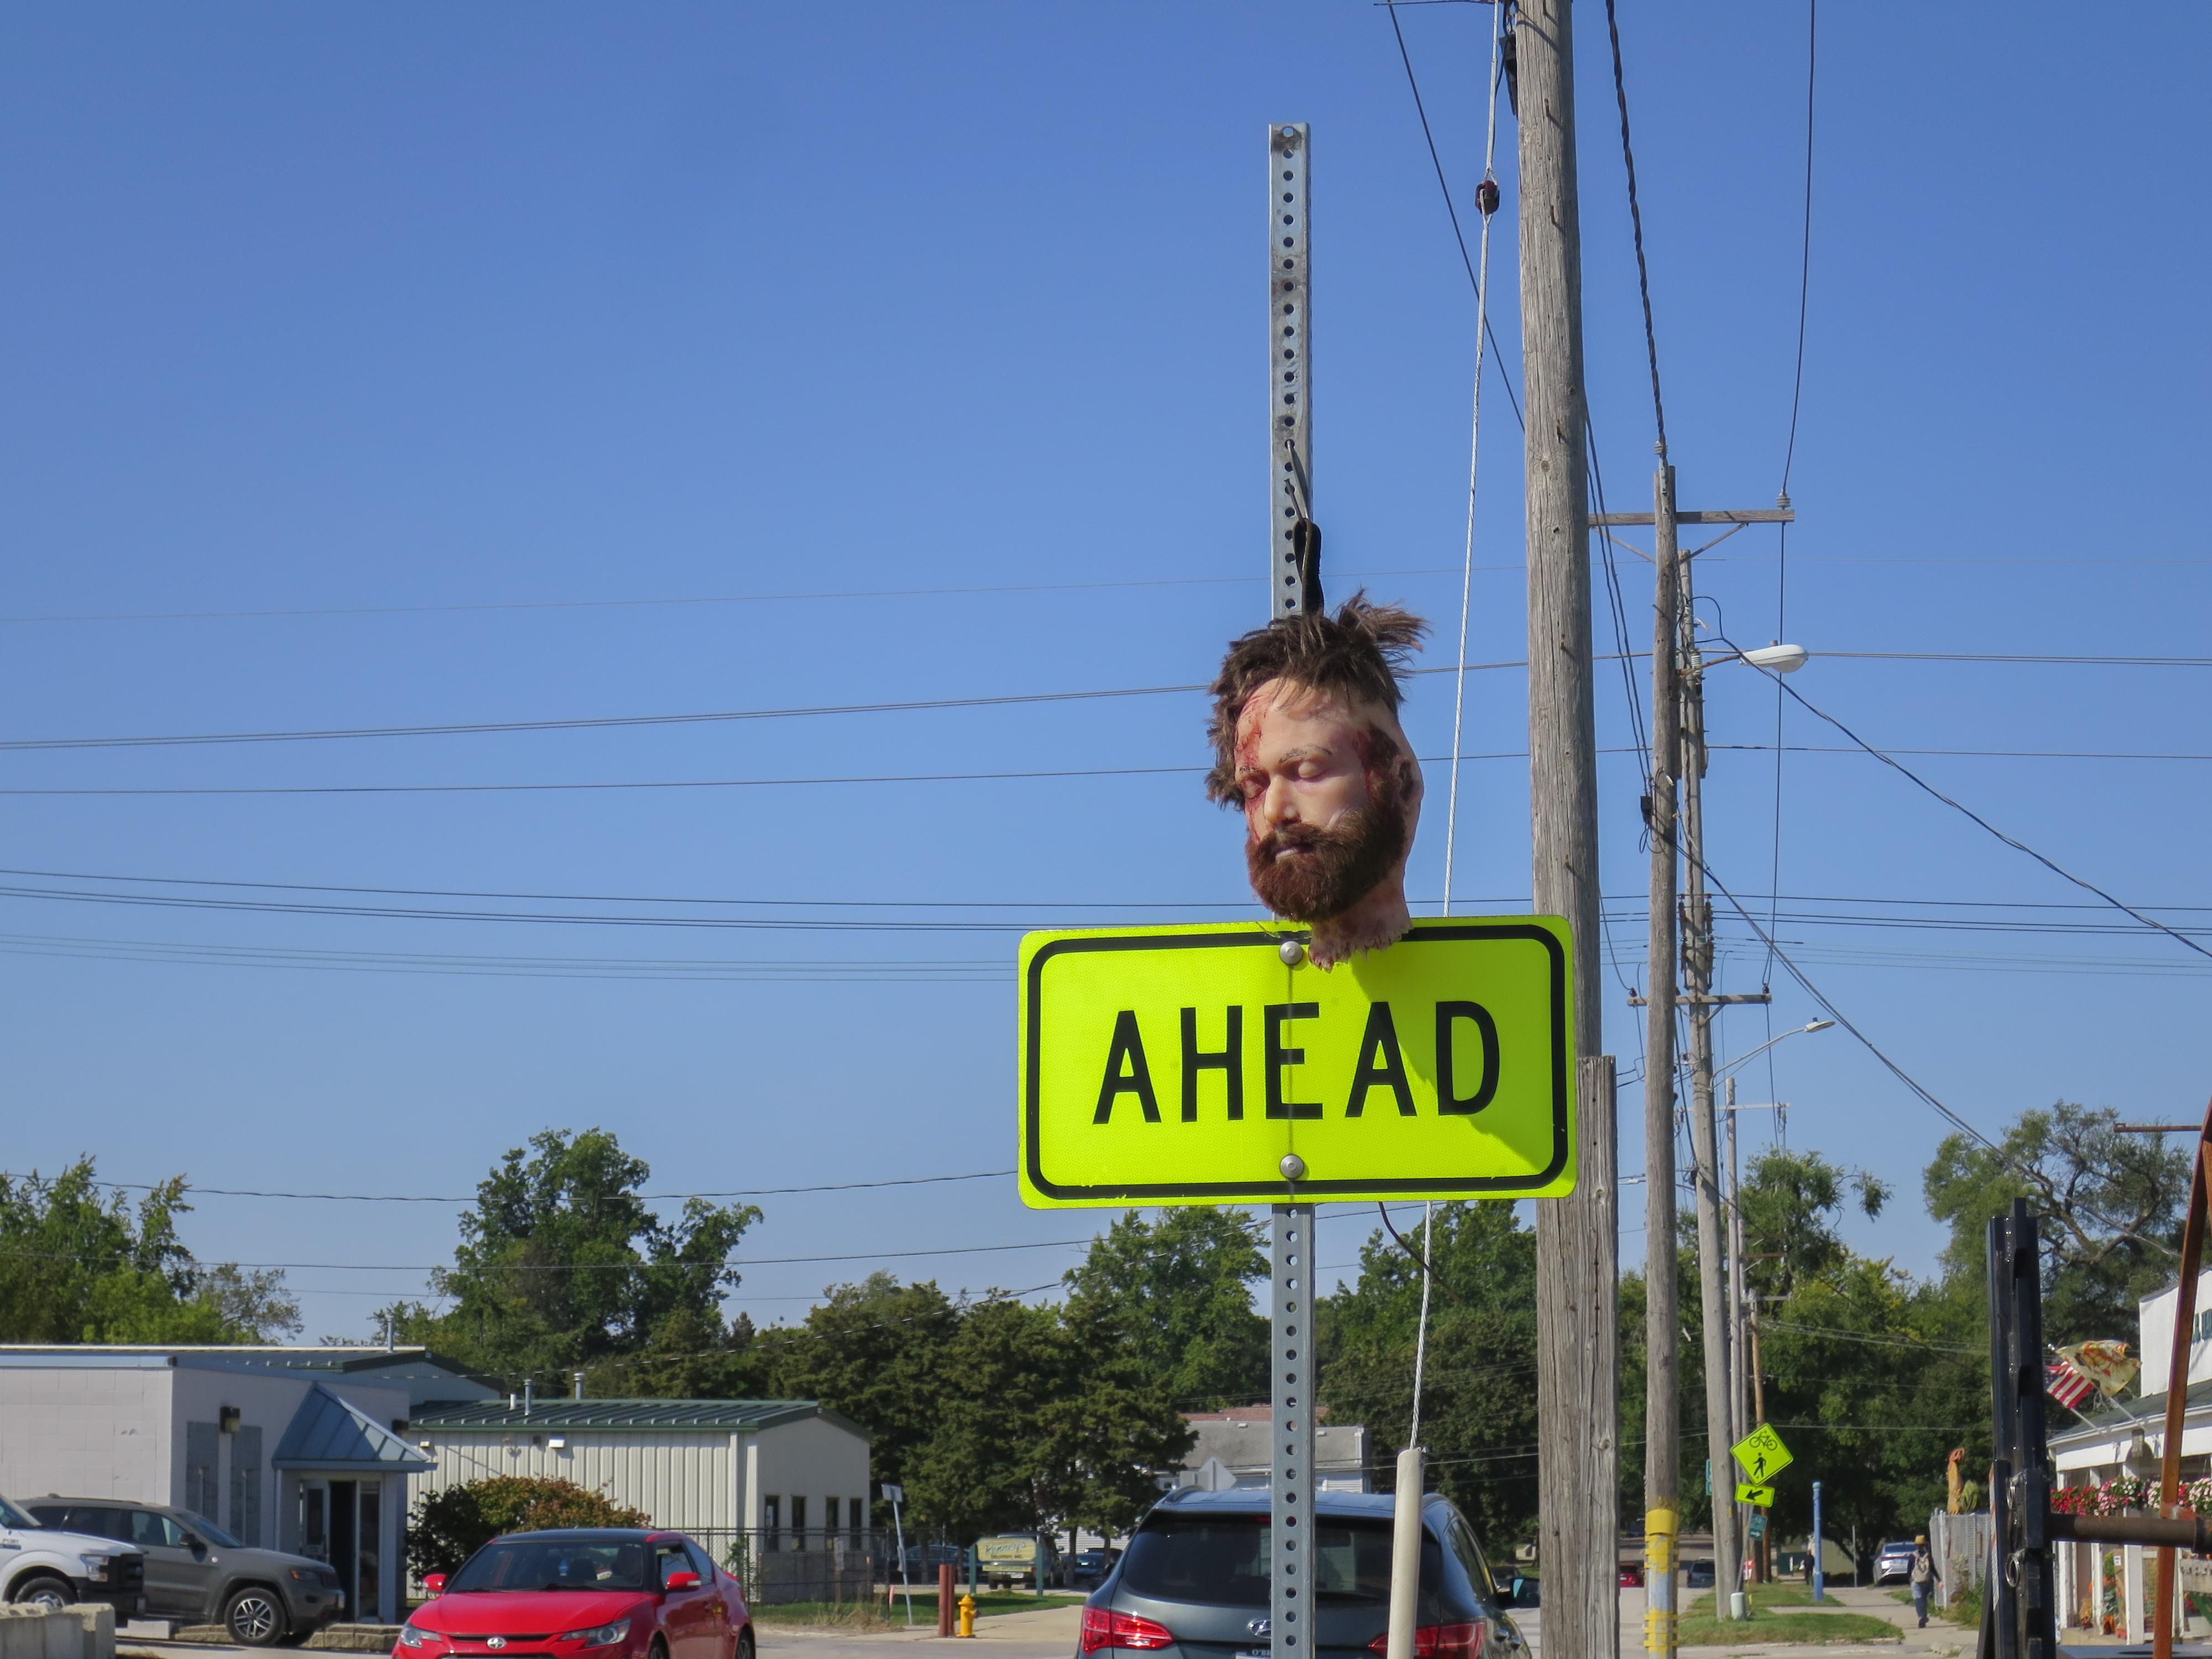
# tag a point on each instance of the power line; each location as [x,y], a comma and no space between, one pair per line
[1805,253]
[1887,1064]
[1635,223]
[1413,86]
[418,1198]
[729,1264]
[683,599]
[479,728]
[2012,842]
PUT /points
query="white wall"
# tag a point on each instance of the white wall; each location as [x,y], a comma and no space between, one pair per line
[2155,1327]
[681,1480]
[814,1459]
[87,1431]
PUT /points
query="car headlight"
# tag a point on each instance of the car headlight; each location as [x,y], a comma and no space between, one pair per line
[414,1635]
[95,1567]
[599,1635]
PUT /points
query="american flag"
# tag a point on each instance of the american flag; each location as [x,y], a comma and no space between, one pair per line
[2067,1386]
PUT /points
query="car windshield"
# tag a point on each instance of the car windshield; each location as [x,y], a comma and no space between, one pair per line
[1222,1559]
[209,1530]
[12,1516]
[554,1564]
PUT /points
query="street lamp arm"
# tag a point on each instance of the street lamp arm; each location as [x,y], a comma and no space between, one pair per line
[1795,1031]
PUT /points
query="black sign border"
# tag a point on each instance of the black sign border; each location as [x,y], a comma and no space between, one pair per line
[1280,1192]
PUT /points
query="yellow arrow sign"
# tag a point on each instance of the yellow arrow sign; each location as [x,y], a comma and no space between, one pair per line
[1191,1063]
[1761,1496]
[1762,1453]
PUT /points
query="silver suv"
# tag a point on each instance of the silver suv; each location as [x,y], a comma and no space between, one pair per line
[199,1574]
[1193,1582]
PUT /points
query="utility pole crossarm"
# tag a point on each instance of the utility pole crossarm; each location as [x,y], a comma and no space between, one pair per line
[1700,515]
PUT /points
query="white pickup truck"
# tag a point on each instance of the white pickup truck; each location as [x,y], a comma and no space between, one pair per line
[53,1569]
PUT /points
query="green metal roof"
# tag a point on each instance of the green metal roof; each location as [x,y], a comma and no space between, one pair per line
[730,1416]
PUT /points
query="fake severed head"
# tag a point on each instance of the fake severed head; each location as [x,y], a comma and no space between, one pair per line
[1306,740]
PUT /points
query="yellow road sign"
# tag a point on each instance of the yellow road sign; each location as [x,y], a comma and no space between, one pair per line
[1762,1453]
[1761,1496]
[1191,1063]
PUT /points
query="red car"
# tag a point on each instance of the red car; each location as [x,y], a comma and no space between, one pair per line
[595,1592]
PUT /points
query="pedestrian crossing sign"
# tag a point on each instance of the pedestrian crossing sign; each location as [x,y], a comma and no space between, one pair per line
[1762,1453]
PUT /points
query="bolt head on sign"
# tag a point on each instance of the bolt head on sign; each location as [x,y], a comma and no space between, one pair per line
[1191,1064]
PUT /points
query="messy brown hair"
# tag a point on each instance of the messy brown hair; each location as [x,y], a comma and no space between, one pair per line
[1355,656]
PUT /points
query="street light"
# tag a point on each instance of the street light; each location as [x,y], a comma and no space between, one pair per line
[1795,1031]
[1778,658]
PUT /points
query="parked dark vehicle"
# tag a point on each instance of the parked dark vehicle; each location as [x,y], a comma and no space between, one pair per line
[1698,1574]
[1091,1566]
[198,1573]
[1193,1582]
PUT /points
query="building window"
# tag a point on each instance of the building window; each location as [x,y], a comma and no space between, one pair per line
[829,1523]
[798,1523]
[771,1523]
[368,1593]
[859,1512]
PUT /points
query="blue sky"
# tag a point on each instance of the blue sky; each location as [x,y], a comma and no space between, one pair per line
[410,351]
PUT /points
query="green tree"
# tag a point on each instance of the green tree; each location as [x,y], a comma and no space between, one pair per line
[1115,1427]
[991,1463]
[447,1527]
[874,1351]
[1478,1398]
[562,1266]
[2112,1207]
[77,1267]
[1181,1288]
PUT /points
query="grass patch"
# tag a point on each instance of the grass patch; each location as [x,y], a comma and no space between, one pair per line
[1763,1597]
[1804,1625]
[827,1615]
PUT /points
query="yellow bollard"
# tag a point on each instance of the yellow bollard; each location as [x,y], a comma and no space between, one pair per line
[966,1615]
[1661,1528]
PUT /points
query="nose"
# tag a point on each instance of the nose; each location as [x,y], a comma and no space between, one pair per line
[1276,806]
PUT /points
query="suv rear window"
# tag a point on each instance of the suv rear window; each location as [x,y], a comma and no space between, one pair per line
[1222,1559]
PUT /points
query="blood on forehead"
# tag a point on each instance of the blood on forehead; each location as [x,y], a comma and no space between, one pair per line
[1304,703]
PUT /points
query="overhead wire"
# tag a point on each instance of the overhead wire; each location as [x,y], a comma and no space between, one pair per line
[1960,807]
[1414,85]
[1487,202]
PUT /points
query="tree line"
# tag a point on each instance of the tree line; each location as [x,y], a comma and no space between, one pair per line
[998,1412]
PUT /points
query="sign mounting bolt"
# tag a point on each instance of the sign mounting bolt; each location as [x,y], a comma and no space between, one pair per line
[1292,953]
[1293,1166]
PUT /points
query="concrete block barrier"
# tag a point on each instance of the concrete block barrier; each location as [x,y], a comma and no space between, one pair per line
[78,1632]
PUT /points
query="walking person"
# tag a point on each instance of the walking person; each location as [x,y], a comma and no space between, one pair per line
[1924,1575]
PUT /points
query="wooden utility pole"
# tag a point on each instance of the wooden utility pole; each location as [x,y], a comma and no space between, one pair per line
[1704,1152]
[1662,1421]
[1578,1414]
[1677,765]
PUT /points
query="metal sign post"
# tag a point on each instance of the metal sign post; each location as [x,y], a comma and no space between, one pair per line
[1293,580]
[1290,1599]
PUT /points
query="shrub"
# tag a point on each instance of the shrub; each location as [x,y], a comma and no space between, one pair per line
[448,1527]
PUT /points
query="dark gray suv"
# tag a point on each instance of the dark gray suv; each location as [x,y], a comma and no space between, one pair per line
[198,1573]
[1193,1582]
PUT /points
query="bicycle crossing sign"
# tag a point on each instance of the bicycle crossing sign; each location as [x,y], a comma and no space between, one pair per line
[1762,1453]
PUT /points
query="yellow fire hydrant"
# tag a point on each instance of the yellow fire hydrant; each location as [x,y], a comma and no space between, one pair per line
[966,1615]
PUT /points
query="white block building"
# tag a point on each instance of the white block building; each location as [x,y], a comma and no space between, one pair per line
[290,1449]
[791,1473]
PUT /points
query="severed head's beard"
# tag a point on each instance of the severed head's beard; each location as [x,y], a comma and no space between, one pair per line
[1333,869]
